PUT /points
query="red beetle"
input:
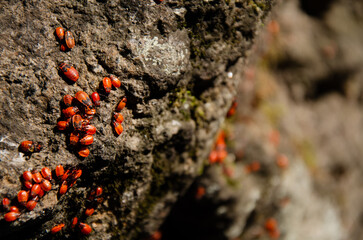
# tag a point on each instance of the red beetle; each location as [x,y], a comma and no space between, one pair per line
[57,228]
[121,105]
[62,125]
[76,174]
[90,113]
[67,100]
[118,117]
[89,211]
[5,202]
[99,191]
[85,228]
[69,71]
[31,205]
[70,111]
[46,173]
[27,176]
[77,121]
[73,138]
[89,129]
[74,222]
[115,81]
[63,47]
[65,175]
[35,190]
[14,209]
[23,197]
[46,185]
[41,193]
[107,84]
[69,39]
[96,98]
[11,216]
[59,31]
[37,177]
[59,171]
[118,127]
[28,184]
[30,146]
[83,152]
[63,189]
[86,140]
[83,98]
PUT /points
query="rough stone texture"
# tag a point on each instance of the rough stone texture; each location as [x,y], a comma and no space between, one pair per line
[173,60]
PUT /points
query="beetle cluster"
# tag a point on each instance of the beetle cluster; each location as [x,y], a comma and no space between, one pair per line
[65,38]
[67,178]
[77,113]
[94,198]
[35,185]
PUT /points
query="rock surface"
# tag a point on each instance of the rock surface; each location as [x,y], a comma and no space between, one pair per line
[172,58]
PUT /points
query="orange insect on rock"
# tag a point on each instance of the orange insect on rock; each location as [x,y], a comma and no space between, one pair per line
[57,228]
[77,121]
[23,197]
[118,117]
[70,111]
[46,185]
[27,176]
[107,84]
[83,98]
[31,205]
[5,202]
[67,100]
[282,161]
[85,228]
[271,224]
[63,47]
[59,171]
[115,81]
[213,157]
[46,173]
[69,39]
[76,174]
[37,177]
[83,152]
[99,191]
[63,189]
[14,209]
[73,139]
[11,216]
[156,235]
[30,146]
[121,105]
[65,175]
[200,192]
[86,140]
[96,98]
[62,125]
[41,193]
[89,211]
[28,184]
[69,72]
[118,128]
[35,190]
[89,129]
[59,31]
[74,222]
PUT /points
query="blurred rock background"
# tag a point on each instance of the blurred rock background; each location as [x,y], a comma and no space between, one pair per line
[300,97]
